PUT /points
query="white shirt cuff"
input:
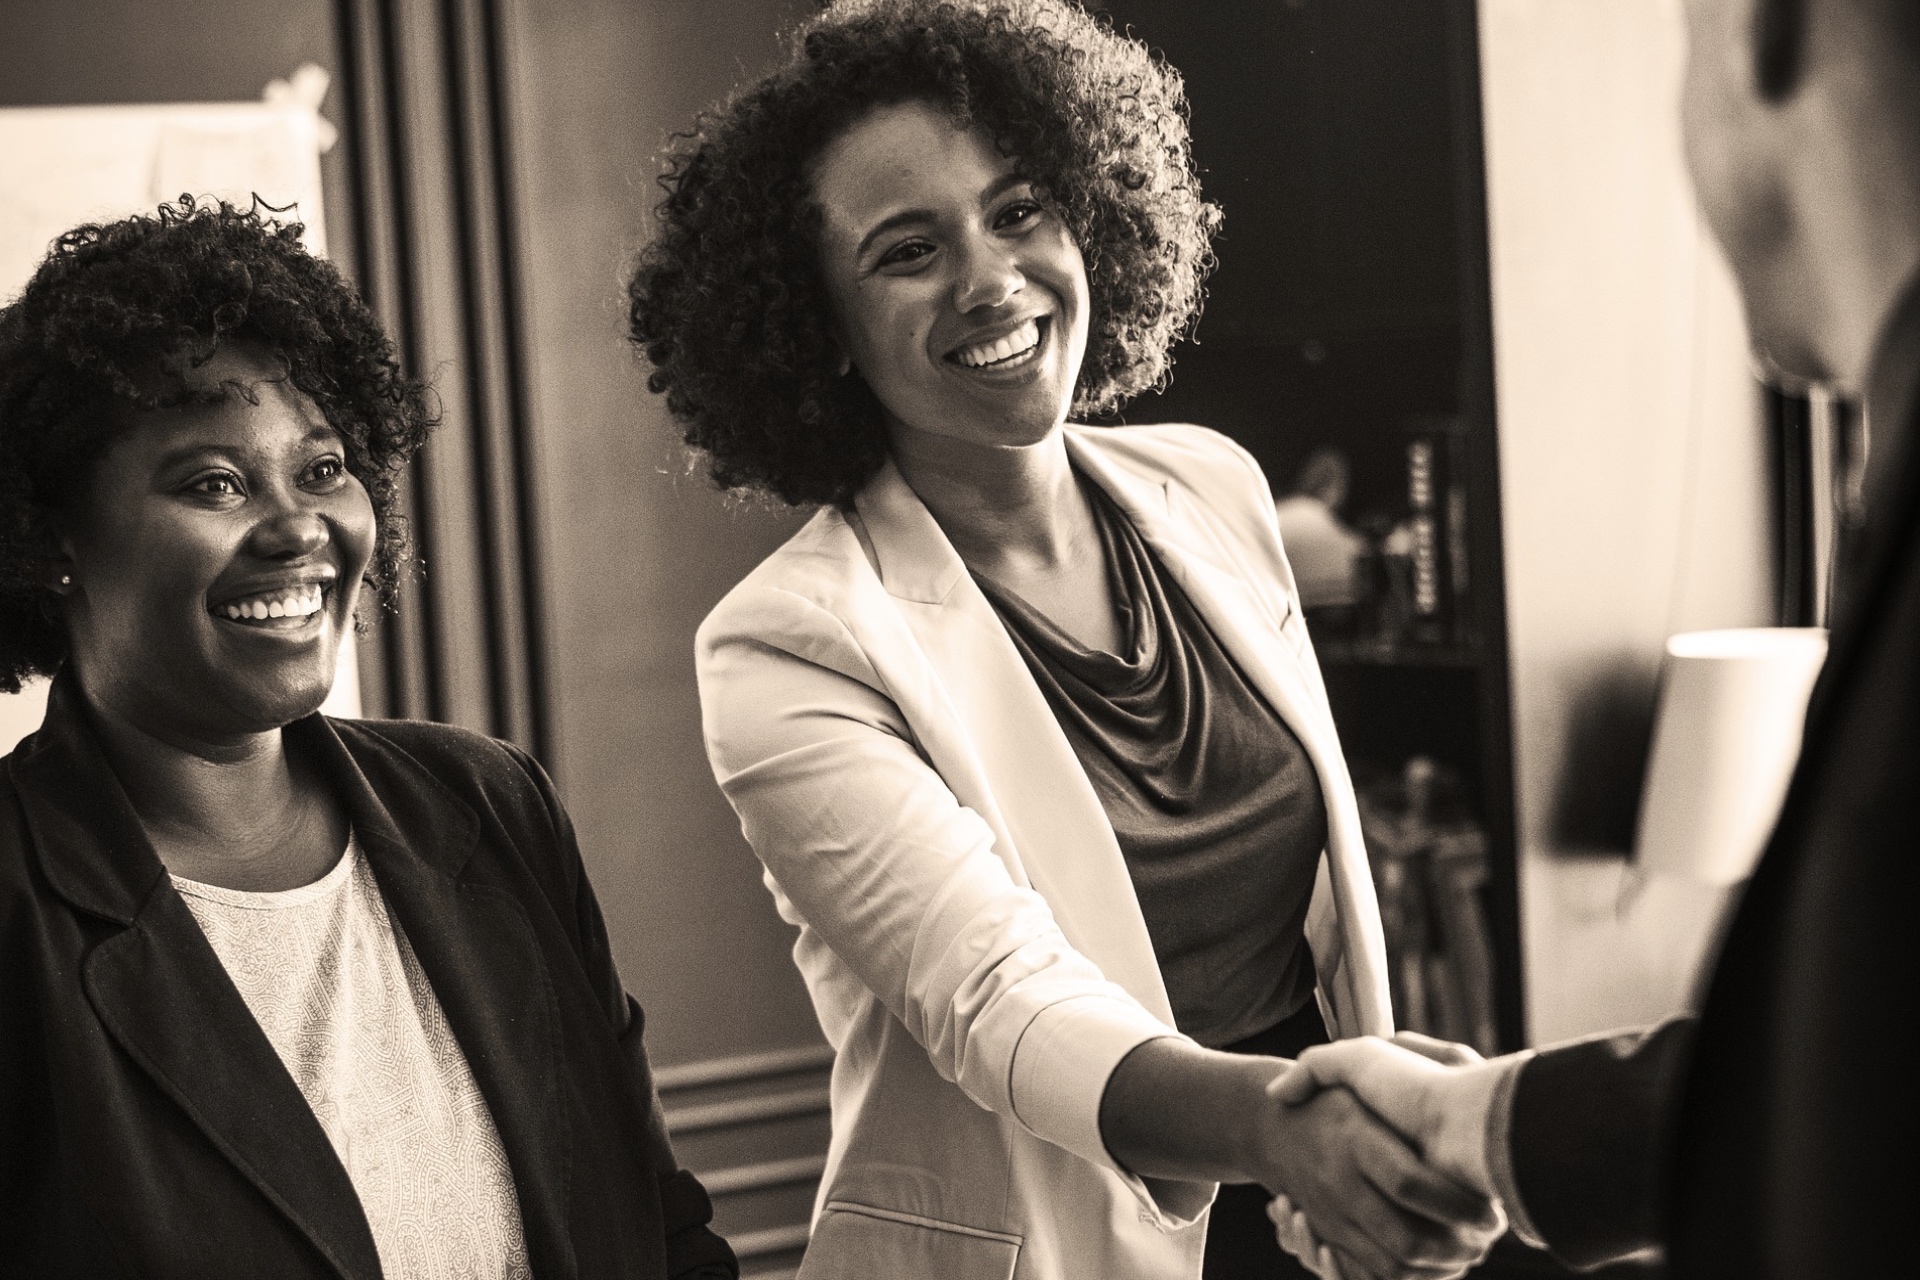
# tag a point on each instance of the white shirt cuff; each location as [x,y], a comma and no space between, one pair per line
[1060,1072]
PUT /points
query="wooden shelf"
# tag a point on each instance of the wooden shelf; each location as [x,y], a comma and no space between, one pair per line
[1347,653]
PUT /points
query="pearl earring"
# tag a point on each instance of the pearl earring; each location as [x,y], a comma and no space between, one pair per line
[66,579]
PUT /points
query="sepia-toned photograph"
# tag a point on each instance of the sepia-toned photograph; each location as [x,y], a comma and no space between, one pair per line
[959,639]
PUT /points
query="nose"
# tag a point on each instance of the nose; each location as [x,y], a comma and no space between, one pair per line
[290,534]
[988,275]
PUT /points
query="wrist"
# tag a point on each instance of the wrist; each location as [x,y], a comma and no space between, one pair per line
[1270,1137]
[1466,1114]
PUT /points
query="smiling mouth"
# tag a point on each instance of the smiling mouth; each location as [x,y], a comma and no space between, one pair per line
[287,609]
[1007,352]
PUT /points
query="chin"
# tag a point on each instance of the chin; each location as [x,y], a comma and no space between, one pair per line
[278,703]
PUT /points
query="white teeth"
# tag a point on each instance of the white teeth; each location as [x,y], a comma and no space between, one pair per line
[1019,342]
[299,602]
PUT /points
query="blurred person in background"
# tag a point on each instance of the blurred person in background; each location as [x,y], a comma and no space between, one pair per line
[1323,548]
[280,995]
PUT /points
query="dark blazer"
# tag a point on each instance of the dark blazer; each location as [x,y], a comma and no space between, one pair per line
[147,1128]
[1781,1143]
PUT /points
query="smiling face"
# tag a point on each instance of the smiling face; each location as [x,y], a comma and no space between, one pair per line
[957,294]
[215,560]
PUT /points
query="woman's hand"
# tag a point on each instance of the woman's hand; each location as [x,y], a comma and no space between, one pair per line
[1369,1195]
[1175,1110]
[1439,1096]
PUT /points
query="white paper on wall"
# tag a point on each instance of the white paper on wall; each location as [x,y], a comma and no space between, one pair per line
[70,165]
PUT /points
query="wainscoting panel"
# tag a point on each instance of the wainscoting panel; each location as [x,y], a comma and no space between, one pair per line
[754,1128]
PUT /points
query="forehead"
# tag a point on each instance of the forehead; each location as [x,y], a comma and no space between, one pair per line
[903,157]
[244,401]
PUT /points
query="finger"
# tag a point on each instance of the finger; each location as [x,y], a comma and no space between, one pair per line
[1348,1210]
[1343,1189]
[1408,1182]
[1339,1063]
[1445,1052]
[1290,1229]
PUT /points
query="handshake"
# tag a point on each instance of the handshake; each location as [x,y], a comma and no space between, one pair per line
[1417,1197]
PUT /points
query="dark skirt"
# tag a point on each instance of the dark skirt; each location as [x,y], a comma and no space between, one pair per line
[1240,1240]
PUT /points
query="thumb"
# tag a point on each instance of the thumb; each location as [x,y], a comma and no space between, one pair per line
[1322,1067]
[1295,1085]
[1444,1052]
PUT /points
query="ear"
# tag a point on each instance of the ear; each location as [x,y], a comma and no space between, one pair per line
[1779,46]
[57,576]
[59,572]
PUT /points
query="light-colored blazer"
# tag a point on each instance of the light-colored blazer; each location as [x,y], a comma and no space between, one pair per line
[968,929]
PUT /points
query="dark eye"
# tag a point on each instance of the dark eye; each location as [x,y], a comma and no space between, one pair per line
[326,473]
[1018,214]
[220,484]
[907,251]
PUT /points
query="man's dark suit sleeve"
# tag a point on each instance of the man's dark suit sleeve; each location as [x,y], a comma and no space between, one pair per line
[1590,1140]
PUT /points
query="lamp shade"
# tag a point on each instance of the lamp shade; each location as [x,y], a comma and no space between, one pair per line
[1732,706]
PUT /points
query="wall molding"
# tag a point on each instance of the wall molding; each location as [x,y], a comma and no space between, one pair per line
[766,1088]
[741,1068]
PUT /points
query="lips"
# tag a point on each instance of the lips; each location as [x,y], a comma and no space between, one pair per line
[1006,350]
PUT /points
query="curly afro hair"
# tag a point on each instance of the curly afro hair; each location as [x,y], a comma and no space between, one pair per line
[727,304]
[115,320]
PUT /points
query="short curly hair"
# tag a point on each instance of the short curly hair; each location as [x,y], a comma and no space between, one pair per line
[727,303]
[113,322]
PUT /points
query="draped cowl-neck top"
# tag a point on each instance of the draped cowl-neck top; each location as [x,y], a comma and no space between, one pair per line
[1213,800]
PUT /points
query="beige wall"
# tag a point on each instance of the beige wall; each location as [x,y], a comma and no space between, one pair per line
[637,551]
[1632,474]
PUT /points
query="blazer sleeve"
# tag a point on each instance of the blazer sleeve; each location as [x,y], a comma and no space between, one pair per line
[1590,1141]
[694,1251]
[876,856]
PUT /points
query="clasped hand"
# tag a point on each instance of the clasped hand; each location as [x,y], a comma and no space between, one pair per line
[1414,1199]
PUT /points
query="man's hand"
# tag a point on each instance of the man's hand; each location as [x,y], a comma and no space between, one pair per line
[1383,1212]
[1438,1096]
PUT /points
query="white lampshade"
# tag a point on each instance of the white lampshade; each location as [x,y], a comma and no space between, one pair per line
[1732,705]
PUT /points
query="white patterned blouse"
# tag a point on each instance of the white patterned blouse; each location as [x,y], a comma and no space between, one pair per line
[331,979]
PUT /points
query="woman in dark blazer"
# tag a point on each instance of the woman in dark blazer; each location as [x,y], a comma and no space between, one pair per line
[279,995]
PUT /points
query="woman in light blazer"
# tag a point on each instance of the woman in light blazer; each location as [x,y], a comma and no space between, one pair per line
[1024,724]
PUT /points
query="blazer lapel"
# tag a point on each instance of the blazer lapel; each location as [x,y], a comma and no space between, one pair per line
[988,729]
[164,996]
[481,958]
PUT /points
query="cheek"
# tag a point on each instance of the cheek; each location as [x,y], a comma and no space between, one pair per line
[887,331]
[356,528]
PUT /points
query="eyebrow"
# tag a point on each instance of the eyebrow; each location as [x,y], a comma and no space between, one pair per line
[994,191]
[186,452]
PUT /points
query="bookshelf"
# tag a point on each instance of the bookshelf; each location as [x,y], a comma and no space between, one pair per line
[1352,304]
[1351,311]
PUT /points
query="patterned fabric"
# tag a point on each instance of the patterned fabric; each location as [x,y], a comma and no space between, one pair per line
[1213,801]
[331,979]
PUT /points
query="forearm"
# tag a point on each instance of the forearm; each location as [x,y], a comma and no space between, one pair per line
[1172,1109]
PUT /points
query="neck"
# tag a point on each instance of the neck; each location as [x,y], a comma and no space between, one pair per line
[999,505]
[1856,196]
[238,794]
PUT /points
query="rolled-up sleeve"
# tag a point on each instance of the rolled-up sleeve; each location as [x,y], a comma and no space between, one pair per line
[904,884]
